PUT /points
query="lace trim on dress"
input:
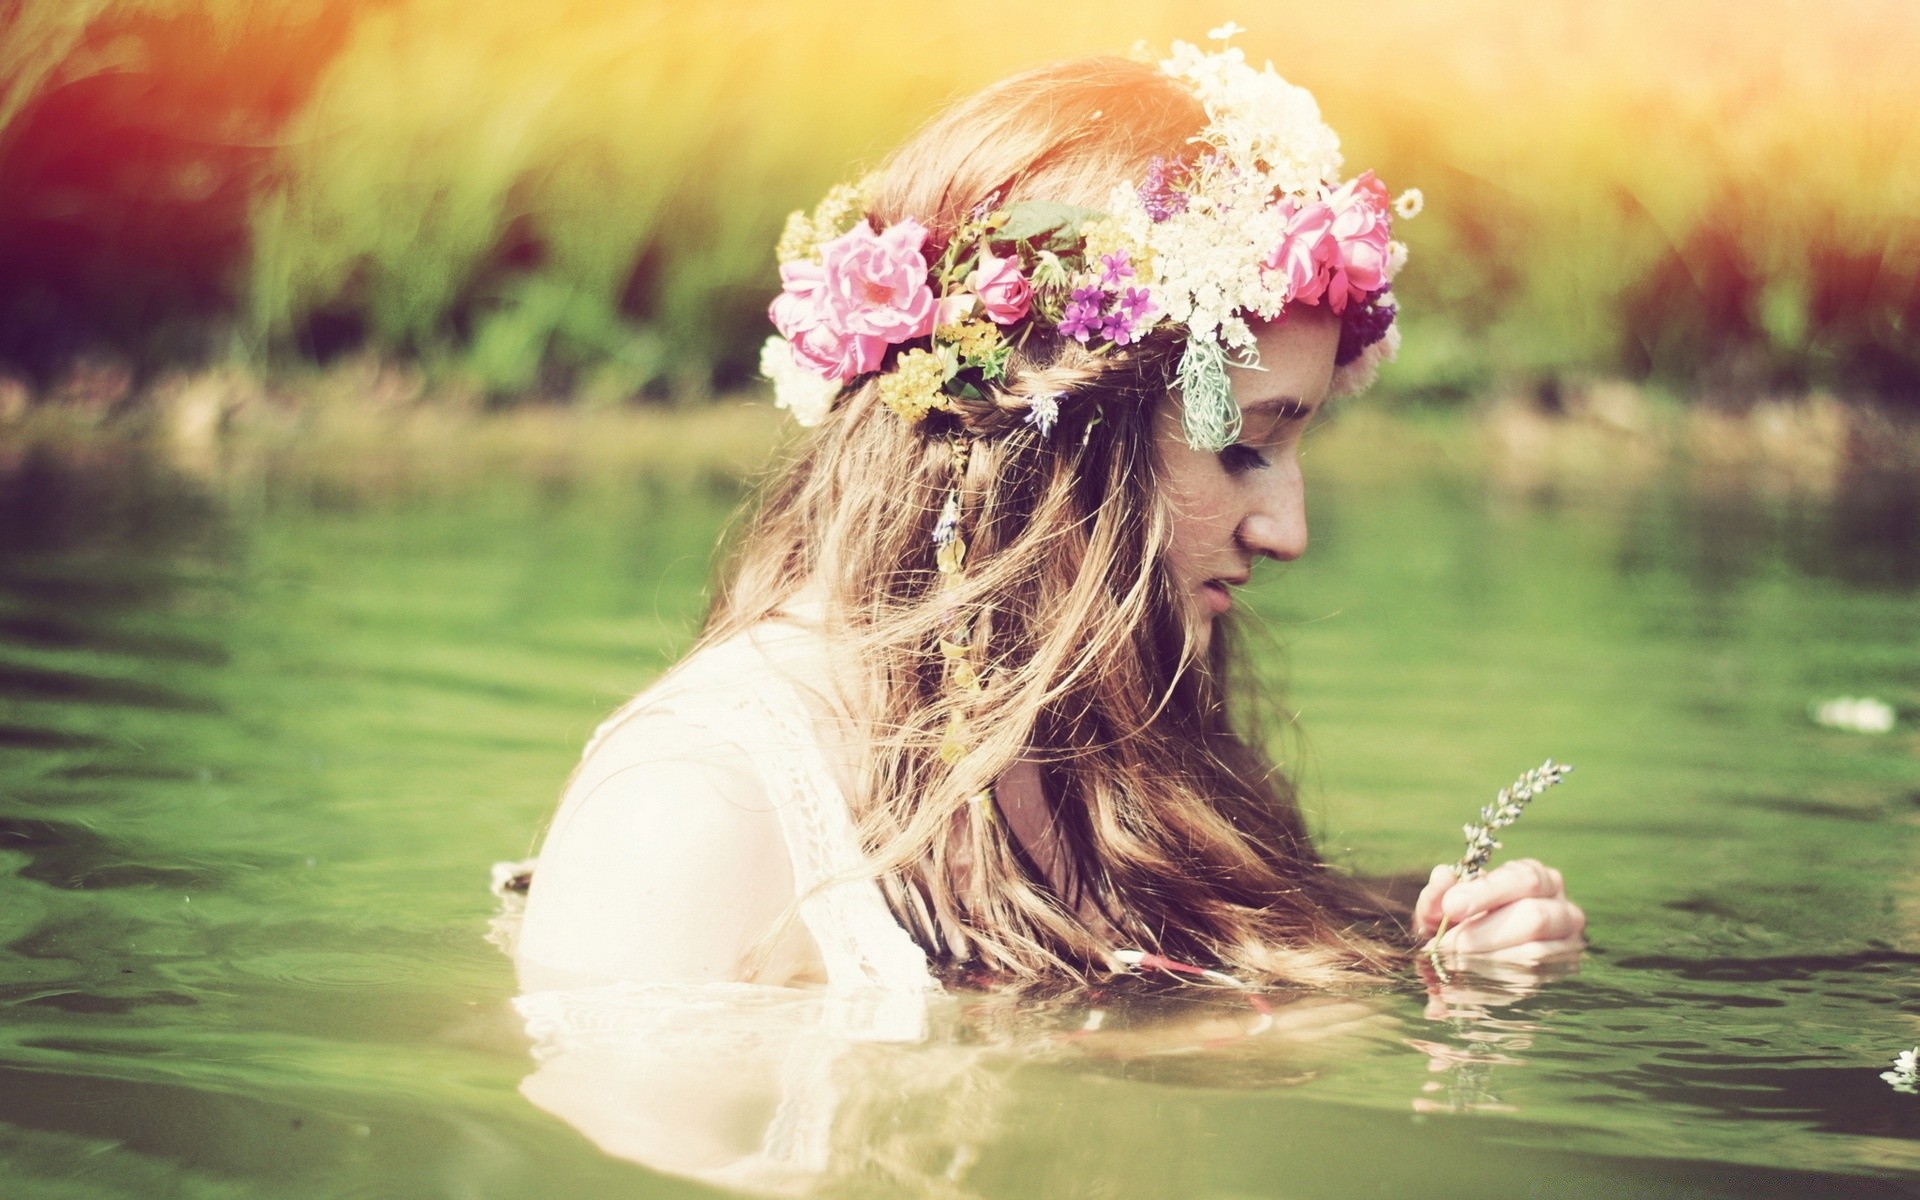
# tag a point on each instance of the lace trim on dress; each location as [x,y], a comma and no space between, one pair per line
[738,693]
[878,988]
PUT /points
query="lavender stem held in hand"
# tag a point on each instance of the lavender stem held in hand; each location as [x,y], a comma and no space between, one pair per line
[1504,811]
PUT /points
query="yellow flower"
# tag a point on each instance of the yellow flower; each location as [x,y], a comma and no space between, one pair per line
[838,211]
[797,239]
[912,388]
[1106,236]
[973,338]
[953,746]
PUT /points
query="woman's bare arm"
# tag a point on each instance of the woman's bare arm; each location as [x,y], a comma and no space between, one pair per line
[666,863]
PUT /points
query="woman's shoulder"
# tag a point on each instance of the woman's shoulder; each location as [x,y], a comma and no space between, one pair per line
[668,857]
[761,700]
[731,686]
[668,869]
[701,736]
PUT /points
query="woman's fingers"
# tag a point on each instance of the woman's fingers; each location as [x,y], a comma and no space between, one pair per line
[1526,921]
[1517,880]
[1529,954]
[1427,910]
[1517,912]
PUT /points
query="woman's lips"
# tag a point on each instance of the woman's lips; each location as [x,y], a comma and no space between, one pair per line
[1219,599]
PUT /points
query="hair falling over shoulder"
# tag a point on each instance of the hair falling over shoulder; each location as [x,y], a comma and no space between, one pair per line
[1162,828]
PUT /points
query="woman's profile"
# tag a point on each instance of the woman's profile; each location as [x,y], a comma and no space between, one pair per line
[965,703]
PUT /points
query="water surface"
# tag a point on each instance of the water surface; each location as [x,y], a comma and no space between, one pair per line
[262,732]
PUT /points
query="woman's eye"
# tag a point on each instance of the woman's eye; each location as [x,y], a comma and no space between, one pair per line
[1242,457]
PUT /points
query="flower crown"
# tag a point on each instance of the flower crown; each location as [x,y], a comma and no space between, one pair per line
[1254,223]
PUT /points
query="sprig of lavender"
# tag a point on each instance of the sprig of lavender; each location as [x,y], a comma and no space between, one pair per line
[1905,1076]
[1504,811]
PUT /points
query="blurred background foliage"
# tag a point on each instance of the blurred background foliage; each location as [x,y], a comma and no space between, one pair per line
[579,197]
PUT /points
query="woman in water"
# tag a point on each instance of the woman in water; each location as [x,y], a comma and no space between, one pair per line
[965,702]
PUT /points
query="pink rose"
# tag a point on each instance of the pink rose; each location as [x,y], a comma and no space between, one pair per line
[1004,293]
[875,284]
[1306,252]
[1362,229]
[802,315]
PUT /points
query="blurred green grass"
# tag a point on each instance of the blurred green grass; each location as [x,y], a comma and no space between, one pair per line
[579,198]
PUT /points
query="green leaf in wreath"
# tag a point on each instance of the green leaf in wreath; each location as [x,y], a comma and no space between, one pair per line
[1045,225]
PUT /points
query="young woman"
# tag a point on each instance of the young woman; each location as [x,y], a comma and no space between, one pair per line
[964,701]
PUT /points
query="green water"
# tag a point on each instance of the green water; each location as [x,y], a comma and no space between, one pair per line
[263,733]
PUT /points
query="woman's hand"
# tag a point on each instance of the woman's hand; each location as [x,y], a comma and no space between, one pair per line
[1517,912]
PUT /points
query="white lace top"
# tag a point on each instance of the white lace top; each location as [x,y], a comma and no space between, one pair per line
[758,694]
[750,690]
[630,1063]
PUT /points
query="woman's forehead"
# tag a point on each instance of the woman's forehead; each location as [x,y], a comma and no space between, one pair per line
[1296,367]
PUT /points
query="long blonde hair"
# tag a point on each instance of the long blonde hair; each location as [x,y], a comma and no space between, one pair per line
[1172,831]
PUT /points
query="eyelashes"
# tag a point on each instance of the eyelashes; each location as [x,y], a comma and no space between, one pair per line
[1242,457]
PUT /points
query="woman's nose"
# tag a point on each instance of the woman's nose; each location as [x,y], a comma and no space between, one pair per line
[1276,525]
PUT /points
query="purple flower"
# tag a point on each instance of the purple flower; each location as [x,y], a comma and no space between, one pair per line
[1090,294]
[1115,269]
[1160,195]
[1081,320]
[1136,302]
[1117,327]
[1361,326]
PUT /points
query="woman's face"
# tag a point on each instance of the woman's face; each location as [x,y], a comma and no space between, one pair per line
[1246,501]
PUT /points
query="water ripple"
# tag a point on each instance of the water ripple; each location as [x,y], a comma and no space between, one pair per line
[49,631]
[1770,969]
[23,737]
[333,969]
[91,689]
[73,857]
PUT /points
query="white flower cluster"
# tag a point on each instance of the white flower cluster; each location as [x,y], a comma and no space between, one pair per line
[1258,121]
[796,388]
[1905,1076]
[1861,714]
[1204,263]
[1268,140]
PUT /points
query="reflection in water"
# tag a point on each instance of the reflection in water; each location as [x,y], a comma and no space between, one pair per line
[1865,533]
[779,1091]
[783,1091]
[1871,534]
[135,520]
[761,1089]
[97,547]
[1479,1039]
